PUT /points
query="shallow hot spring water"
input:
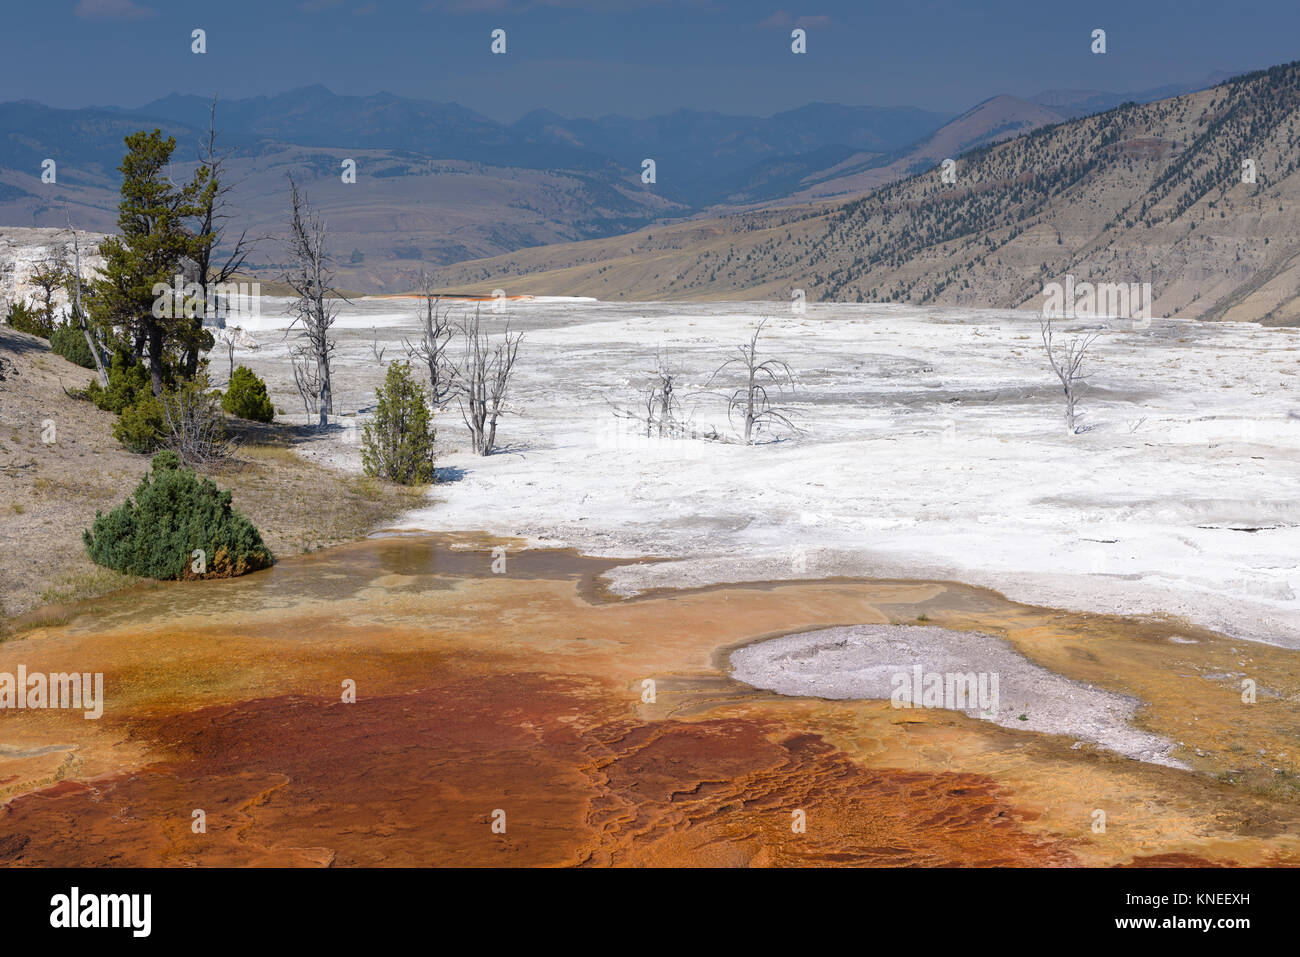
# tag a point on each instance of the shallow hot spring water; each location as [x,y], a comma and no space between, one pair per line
[389,702]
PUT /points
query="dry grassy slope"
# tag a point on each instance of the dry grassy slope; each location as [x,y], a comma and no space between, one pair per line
[702,259]
[1148,193]
[996,119]
[50,491]
[403,212]
[407,211]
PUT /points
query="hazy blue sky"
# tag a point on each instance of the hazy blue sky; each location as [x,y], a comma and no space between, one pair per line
[638,57]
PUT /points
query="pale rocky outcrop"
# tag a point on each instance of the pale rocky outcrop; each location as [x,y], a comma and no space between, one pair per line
[24,249]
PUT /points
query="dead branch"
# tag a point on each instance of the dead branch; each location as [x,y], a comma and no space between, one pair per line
[752,401]
[77,310]
[316,308]
[194,427]
[1067,363]
[305,379]
[481,380]
[435,335]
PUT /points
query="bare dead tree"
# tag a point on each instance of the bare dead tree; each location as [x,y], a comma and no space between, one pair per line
[193,426]
[214,268]
[435,335]
[481,380]
[661,400]
[1067,363]
[752,401]
[233,337]
[80,313]
[312,280]
[375,351]
[661,404]
[306,379]
[228,338]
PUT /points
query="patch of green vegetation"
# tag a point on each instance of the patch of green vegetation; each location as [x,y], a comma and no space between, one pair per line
[69,341]
[32,321]
[139,427]
[397,443]
[128,381]
[176,525]
[246,397]
[12,630]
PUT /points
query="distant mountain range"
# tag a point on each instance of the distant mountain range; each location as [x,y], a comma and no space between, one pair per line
[1075,103]
[439,183]
[1198,195]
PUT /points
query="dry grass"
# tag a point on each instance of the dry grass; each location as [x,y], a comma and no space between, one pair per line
[269,455]
[50,492]
[80,584]
[301,507]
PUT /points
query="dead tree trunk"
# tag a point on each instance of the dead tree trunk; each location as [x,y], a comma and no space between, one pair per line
[481,381]
[435,335]
[304,378]
[212,275]
[81,316]
[316,310]
[663,398]
[1068,366]
[660,402]
[752,401]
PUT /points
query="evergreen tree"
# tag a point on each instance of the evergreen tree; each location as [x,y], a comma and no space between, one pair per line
[152,246]
[397,443]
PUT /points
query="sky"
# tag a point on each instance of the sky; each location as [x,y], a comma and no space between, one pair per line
[634,57]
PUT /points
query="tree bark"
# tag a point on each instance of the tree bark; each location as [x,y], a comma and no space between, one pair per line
[156,359]
[81,316]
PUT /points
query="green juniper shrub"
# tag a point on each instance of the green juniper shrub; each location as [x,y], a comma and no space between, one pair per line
[32,321]
[130,395]
[246,397]
[69,341]
[165,461]
[173,515]
[128,380]
[139,427]
[397,444]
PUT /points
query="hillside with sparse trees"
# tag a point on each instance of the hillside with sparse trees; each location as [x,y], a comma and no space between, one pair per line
[1142,193]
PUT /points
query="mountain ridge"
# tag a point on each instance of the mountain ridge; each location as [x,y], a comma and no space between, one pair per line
[1140,193]
[439,183]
